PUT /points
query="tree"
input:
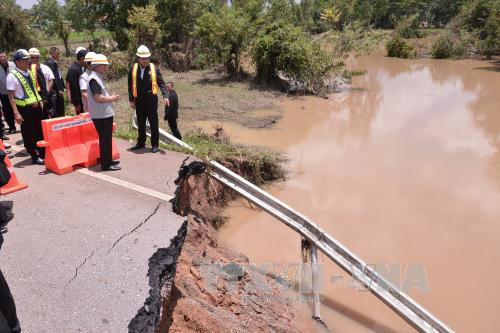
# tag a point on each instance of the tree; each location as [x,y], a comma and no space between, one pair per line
[86,14]
[144,30]
[282,48]
[51,17]
[226,34]
[482,19]
[115,14]
[15,32]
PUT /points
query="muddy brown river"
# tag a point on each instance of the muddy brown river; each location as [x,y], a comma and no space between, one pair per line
[404,169]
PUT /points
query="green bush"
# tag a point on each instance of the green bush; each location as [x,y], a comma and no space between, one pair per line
[399,48]
[120,64]
[281,47]
[449,45]
[409,27]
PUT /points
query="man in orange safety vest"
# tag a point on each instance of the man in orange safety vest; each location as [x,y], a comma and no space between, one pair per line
[144,81]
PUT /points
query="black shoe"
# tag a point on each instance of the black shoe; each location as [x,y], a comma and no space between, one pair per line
[112,168]
[37,160]
[115,162]
[155,150]
[137,146]
[8,216]
[5,137]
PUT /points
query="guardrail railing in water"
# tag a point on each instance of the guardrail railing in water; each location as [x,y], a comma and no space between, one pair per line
[412,312]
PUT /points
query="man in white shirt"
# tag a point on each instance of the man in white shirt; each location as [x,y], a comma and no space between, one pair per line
[26,104]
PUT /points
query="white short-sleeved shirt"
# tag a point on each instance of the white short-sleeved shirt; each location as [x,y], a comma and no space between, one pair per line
[13,84]
[47,73]
[84,79]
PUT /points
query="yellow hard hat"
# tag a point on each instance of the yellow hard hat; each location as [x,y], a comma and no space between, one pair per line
[34,52]
[143,52]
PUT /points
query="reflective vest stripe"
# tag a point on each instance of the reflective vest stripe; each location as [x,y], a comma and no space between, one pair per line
[33,74]
[134,79]
[154,81]
[30,96]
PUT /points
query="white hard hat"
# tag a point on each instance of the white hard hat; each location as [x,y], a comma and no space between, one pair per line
[143,52]
[34,52]
[78,49]
[100,59]
[89,56]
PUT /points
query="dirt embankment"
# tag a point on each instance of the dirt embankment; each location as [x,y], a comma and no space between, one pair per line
[212,292]
[199,286]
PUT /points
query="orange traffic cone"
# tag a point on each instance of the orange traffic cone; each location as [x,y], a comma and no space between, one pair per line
[14,184]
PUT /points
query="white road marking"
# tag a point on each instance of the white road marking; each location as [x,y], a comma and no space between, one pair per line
[116,181]
[126,184]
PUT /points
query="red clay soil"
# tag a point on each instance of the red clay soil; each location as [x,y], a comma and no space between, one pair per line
[202,300]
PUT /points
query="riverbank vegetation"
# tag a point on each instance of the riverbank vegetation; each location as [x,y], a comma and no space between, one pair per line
[473,29]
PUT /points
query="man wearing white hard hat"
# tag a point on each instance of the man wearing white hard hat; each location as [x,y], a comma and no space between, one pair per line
[101,111]
[144,81]
[43,76]
[78,49]
[85,77]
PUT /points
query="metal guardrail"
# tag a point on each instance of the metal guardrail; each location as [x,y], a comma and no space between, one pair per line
[412,312]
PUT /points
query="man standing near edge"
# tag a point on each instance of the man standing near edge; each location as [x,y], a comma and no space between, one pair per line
[26,103]
[172,110]
[58,86]
[72,81]
[44,79]
[144,80]
[101,111]
[5,68]
[85,78]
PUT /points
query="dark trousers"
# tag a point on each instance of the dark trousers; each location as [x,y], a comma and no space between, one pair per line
[59,106]
[104,127]
[8,113]
[147,108]
[31,129]
[172,123]
[8,315]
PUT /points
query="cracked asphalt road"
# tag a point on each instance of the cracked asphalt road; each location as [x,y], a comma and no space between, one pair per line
[76,254]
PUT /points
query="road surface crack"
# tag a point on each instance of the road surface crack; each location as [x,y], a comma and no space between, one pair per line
[80,266]
[136,227]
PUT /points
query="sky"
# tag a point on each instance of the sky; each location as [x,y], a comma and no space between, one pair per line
[29,3]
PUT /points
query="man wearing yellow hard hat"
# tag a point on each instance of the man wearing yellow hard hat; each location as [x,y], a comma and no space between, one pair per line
[44,78]
[85,77]
[144,81]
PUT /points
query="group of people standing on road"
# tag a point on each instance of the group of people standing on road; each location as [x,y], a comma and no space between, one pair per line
[31,91]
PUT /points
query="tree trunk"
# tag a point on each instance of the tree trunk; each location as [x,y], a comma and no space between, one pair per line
[66,46]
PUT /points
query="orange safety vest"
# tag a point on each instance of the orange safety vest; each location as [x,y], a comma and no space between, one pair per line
[33,71]
[154,82]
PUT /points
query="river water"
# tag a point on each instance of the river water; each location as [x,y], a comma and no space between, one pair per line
[404,169]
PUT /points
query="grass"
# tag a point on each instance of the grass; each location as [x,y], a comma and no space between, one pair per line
[204,95]
[74,37]
[256,164]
